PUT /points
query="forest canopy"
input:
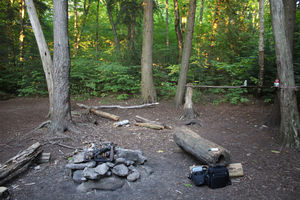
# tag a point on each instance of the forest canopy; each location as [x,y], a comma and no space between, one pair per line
[105,38]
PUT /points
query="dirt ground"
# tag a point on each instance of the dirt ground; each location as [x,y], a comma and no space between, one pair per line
[268,174]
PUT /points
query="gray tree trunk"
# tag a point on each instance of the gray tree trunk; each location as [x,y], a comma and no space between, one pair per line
[43,49]
[186,54]
[61,117]
[178,30]
[290,123]
[261,46]
[148,89]
[113,26]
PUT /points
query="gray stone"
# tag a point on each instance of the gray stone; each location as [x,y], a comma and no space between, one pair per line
[145,171]
[78,158]
[108,173]
[110,164]
[131,168]
[81,165]
[135,175]
[129,162]
[4,193]
[90,173]
[108,183]
[102,169]
[120,161]
[78,176]
[120,170]
[129,154]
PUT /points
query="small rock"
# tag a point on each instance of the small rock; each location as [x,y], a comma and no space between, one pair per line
[129,162]
[38,167]
[109,164]
[81,165]
[108,183]
[78,158]
[108,173]
[4,193]
[145,171]
[135,175]
[90,173]
[78,176]
[120,161]
[120,170]
[102,169]
[131,168]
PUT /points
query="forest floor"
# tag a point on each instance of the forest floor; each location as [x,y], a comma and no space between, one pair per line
[271,172]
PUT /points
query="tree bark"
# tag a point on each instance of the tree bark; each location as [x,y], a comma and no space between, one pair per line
[97,29]
[201,12]
[148,89]
[61,117]
[178,30]
[290,15]
[113,26]
[261,46]
[290,123]
[167,23]
[204,150]
[186,54]
[43,49]
[188,109]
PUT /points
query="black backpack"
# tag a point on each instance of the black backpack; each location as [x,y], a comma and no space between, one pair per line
[217,177]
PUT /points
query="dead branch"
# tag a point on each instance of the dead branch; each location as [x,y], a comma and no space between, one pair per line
[144,120]
[117,106]
[150,125]
[105,114]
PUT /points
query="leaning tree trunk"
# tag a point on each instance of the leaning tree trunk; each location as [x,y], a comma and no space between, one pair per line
[186,54]
[148,89]
[261,46]
[61,117]
[290,123]
[43,49]
[178,30]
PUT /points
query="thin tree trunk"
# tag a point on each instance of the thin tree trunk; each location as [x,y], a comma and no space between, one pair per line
[97,29]
[113,26]
[148,89]
[201,12]
[261,46]
[75,32]
[178,30]
[186,54]
[167,23]
[21,35]
[215,23]
[61,118]
[290,123]
[85,14]
[43,49]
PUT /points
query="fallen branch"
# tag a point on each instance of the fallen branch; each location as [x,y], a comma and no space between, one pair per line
[105,114]
[144,120]
[150,125]
[19,163]
[117,106]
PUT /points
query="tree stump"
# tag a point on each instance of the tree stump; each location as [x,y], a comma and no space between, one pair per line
[188,109]
[204,150]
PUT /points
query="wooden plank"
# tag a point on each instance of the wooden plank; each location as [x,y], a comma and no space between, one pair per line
[235,170]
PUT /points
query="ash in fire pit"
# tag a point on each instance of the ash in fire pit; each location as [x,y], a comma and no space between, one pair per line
[105,167]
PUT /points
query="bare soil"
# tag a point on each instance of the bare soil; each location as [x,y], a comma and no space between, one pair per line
[271,171]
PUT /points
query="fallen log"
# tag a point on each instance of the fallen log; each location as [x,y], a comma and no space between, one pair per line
[150,125]
[117,106]
[204,150]
[144,120]
[105,114]
[19,163]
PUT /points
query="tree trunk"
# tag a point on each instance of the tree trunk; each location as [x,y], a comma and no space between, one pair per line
[21,35]
[186,54]
[113,26]
[78,37]
[61,117]
[97,29]
[206,151]
[290,14]
[188,109]
[261,46]
[290,123]
[201,12]
[75,32]
[167,24]
[148,89]
[43,49]
[178,30]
